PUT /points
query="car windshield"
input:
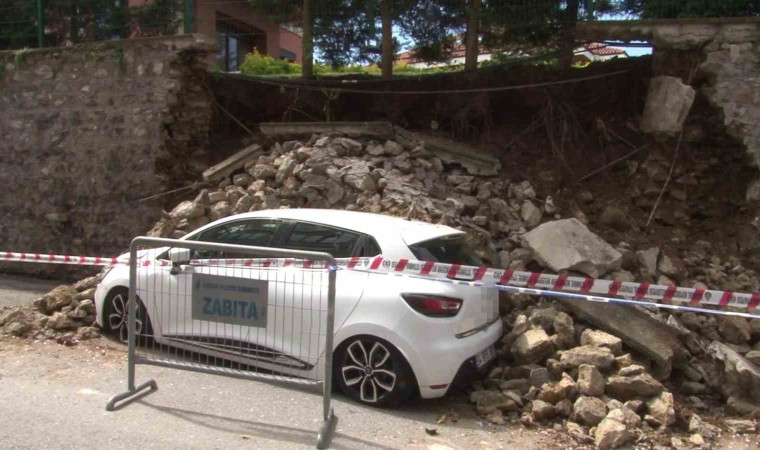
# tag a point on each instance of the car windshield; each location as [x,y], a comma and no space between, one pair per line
[448,250]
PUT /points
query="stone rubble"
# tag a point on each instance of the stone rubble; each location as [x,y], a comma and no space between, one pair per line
[552,366]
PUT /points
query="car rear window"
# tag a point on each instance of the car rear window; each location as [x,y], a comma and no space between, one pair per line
[447,250]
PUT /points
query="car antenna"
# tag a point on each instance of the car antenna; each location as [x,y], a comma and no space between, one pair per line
[411,210]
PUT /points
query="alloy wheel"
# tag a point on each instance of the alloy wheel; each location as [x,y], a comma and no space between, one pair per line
[118,317]
[368,370]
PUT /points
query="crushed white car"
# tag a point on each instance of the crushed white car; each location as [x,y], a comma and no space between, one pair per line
[394,336]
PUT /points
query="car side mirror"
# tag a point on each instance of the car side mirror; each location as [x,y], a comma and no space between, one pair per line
[179,256]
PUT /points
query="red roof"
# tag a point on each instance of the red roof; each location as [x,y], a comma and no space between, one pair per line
[601,49]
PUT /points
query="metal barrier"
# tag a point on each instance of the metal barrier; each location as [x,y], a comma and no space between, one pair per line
[251,321]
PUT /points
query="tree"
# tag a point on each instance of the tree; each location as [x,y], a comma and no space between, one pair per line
[668,9]
[472,36]
[433,26]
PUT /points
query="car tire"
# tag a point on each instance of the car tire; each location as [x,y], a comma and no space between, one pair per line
[373,372]
[116,313]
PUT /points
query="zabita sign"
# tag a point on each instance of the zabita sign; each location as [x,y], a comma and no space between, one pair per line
[236,301]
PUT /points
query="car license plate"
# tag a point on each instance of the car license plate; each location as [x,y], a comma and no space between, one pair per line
[482,358]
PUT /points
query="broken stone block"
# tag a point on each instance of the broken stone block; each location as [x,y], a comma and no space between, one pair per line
[640,385]
[590,381]
[598,338]
[735,330]
[611,434]
[188,210]
[625,416]
[58,298]
[568,245]
[60,321]
[601,357]
[543,410]
[668,103]
[532,347]
[662,408]
[589,410]
[490,401]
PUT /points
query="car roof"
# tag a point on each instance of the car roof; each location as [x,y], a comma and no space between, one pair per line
[377,225]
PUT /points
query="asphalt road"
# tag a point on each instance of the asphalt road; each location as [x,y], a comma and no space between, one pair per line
[52,396]
[15,290]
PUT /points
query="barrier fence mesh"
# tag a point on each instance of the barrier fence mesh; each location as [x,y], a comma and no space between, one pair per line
[233,319]
[53,23]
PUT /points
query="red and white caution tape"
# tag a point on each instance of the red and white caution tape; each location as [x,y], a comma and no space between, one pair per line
[534,283]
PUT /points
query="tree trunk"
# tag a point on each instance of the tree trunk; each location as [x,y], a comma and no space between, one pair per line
[386,61]
[473,31]
[567,40]
[307,66]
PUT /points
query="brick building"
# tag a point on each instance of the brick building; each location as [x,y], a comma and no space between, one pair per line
[239,29]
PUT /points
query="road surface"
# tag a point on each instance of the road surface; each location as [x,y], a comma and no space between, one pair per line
[52,396]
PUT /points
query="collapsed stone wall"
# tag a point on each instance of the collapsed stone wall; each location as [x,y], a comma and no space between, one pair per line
[87,132]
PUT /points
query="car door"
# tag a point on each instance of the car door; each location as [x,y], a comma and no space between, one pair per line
[341,244]
[197,310]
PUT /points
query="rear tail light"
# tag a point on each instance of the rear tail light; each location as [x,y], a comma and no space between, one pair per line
[433,305]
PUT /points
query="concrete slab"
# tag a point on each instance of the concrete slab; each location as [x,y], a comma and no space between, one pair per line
[637,329]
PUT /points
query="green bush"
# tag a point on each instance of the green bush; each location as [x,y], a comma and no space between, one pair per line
[257,64]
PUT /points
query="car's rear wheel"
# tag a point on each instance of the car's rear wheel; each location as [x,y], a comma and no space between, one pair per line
[116,317]
[373,372]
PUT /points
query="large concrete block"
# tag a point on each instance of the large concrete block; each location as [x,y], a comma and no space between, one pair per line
[668,103]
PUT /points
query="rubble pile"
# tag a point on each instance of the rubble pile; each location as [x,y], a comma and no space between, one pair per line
[604,376]
[378,177]
[65,314]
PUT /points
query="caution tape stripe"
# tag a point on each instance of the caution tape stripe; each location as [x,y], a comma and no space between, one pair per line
[454,272]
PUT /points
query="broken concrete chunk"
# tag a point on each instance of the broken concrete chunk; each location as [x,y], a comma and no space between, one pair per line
[637,329]
[742,378]
[568,245]
[739,426]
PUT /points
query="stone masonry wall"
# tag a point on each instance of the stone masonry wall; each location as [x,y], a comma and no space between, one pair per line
[87,132]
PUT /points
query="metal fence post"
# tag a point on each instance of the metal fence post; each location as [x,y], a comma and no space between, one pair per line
[40,24]
[132,307]
[189,16]
[327,429]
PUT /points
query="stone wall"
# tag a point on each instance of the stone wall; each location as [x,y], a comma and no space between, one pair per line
[723,52]
[87,132]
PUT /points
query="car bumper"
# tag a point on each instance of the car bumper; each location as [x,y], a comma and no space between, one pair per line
[458,357]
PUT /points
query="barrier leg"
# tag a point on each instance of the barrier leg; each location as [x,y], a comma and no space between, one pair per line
[132,306]
[327,430]
[111,405]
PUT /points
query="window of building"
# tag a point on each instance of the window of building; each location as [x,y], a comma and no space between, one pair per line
[236,39]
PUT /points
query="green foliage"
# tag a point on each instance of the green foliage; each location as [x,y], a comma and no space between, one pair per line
[19,56]
[2,71]
[257,64]
[73,21]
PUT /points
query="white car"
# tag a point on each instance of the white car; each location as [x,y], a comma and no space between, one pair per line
[393,335]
